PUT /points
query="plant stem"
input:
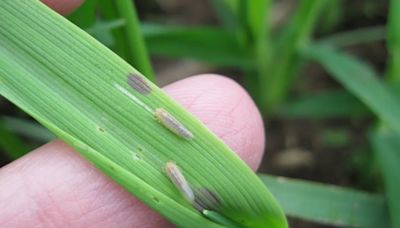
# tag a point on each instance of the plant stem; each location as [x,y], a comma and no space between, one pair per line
[137,54]
[109,12]
[275,83]
[256,40]
[393,41]
[385,141]
[386,146]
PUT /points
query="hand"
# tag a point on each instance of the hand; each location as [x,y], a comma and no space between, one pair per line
[54,187]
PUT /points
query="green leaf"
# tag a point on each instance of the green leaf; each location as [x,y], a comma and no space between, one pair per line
[10,144]
[137,56]
[355,37]
[387,147]
[126,38]
[108,12]
[207,44]
[393,41]
[105,26]
[257,12]
[224,13]
[108,112]
[103,31]
[328,204]
[358,78]
[326,104]
[285,61]
[256,39]
[27,129]
[232,5]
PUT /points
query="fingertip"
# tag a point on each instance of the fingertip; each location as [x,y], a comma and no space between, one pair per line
[64,7]
[53,186]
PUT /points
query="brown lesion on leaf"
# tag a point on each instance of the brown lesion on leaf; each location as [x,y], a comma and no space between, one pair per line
[139,84]
[200,198]
[100,129]
[205,199]
[171,123]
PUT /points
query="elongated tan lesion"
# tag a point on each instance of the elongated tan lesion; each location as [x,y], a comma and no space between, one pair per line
[180,182]
[200,198]
[172,124]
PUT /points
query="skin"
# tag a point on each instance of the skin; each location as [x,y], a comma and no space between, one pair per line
[54,187]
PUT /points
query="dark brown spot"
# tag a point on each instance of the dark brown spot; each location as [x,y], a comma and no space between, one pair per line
[139,84]
[206,199]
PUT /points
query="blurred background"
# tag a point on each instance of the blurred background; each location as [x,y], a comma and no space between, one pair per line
[289,55]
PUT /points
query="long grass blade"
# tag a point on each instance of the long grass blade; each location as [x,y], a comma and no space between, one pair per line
[208,44]
[386,145]
[109,113]
[393,41]
[285,61]
[385,141]
[108,12]
[328,204]
[28,129]
[359,79]
[257,40]
[224,14]
[355,37]
[138,55]
[342,104]
[103,31]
